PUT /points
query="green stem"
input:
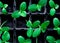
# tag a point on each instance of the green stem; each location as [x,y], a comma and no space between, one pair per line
[36,40]
[3,23]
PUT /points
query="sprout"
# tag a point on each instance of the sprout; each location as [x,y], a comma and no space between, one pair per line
[20,12]
[3,6]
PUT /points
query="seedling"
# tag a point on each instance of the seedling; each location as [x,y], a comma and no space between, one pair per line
[21,39]
[38,6]
[53,7]
[51,39]
[3,6]
[4,32]
[36,32]
[56,23]
[20,12]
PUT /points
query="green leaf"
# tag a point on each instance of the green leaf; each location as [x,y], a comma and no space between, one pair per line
[21,39]
[39,7]
[5,6]
[32,7]
[23,14]
[5,36]
[1,4]
[29,23]
[56,6]
[44,25]
[29,32]
[58,41]
[15,14]
[28,41]
[42,2]
[36,24]
[36,32]
[50,39]
[23,6]
[52,4]
[56,22]
[4,11]
[52,12]
[5,28]
[58,31]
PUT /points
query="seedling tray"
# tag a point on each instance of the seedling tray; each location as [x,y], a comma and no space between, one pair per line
[18,26]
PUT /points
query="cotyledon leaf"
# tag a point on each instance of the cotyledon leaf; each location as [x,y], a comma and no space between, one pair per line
[23,6]
[32,7]
[29,32]
[21,39]
[5,28]
[52,12]
[29,23]
[56,22]
[1,4]
[52,4]
[44,25]
[36,32]
[42,2]
[36,24]
[15,14]
[23,13]
[4,11]
[50,39]
[5,36]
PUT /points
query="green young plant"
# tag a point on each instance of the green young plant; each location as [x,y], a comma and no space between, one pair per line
[20,12]
[56,23]
[53,7]
[21,39]
[38,6]
[4,32]
[44,25]
[3,6]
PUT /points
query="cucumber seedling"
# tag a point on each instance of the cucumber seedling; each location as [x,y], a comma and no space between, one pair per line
[53,7]
[21,11]
[3,7]
[4,33]
[56,23]
[38,6]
